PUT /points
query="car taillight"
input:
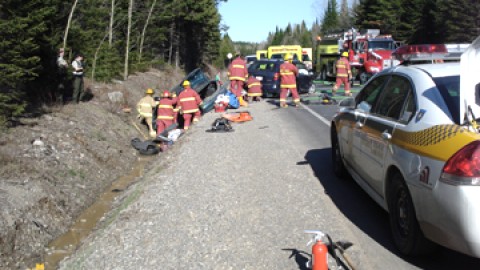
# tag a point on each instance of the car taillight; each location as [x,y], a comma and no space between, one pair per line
[275,76]
[463,168]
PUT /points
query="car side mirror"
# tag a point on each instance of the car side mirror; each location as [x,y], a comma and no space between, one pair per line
[364,107]
[348,102]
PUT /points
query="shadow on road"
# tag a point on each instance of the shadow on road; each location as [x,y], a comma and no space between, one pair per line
[362,211]
[301,257]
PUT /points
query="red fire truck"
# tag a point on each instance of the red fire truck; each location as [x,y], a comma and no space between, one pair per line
[369,53]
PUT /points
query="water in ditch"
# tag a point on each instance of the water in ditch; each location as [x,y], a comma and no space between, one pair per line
[67,243]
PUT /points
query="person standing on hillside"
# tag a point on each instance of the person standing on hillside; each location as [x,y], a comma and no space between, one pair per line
[77,66]
[237,74]
[188,102]
[62,67]
[288,81]
[344,74]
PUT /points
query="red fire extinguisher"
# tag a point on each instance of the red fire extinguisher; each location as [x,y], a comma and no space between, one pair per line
[319,251]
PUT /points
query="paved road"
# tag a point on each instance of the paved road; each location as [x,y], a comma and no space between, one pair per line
[370,219]
[241,200]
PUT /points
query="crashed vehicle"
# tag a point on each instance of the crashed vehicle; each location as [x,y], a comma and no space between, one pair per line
[268,72]
[207,89]
[411,140]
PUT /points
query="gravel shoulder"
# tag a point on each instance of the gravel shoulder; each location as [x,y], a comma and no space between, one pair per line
[237,200]
[55,165]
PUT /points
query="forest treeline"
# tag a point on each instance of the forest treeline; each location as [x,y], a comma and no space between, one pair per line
[118,37]
[183,33]
[410,21]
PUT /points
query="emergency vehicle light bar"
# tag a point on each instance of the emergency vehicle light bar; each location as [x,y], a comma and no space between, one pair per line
[421,51]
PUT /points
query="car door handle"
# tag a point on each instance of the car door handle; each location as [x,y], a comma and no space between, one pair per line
[386,135]
[359,124]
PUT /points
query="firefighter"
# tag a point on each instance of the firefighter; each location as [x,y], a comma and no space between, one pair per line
[254,89]
[344,74]
[288,81]
[237,74]
[165,112]
[188,104]
[145,108]
[175,108]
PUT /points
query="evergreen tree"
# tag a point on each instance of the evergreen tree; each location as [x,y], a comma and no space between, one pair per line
[24,35]
[422,22]
[305,36]
[186,32]
[277,37]
[330,18]
[344,21]
[457,21]
[370,14]
[226,47]
[197,26]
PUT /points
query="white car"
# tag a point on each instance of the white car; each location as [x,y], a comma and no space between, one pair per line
[410,140]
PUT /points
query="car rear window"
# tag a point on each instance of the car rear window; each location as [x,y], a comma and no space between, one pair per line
[300,65]
[265,66]
[449,88]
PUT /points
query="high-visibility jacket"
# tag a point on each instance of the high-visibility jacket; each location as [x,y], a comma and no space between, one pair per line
[189,101]
[165,109]
[343,67]
[145,106]
[237,70]
[254,87]
[288,75]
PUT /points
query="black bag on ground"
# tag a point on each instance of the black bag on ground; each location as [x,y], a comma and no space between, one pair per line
[145,147]
[221,125]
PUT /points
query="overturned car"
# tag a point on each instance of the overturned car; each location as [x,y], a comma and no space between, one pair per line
[207,88]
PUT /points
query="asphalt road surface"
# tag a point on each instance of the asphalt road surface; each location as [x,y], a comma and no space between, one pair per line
[369,221]
[241,200]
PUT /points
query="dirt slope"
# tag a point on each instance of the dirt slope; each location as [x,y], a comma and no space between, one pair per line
[54,166]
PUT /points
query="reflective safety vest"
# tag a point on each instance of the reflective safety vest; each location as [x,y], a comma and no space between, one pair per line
[145,106]
[254,87]
[237,70]
[189,101]
[343,68]
[165,109]
[288,75]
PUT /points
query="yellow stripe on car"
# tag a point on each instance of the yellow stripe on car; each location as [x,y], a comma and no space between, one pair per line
[438,142]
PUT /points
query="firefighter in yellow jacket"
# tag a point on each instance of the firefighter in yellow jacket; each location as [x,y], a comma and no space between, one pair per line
[145,108]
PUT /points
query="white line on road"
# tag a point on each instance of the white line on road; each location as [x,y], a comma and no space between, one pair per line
[321,118]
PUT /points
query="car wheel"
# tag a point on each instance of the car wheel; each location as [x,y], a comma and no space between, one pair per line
[337,160]
[407,236]
[363,77]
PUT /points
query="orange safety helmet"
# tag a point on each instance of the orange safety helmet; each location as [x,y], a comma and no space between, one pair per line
[166,94]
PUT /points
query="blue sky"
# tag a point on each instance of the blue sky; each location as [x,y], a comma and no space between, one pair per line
[252,20]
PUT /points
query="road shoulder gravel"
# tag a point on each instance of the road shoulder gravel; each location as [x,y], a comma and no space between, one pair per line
[238,200]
